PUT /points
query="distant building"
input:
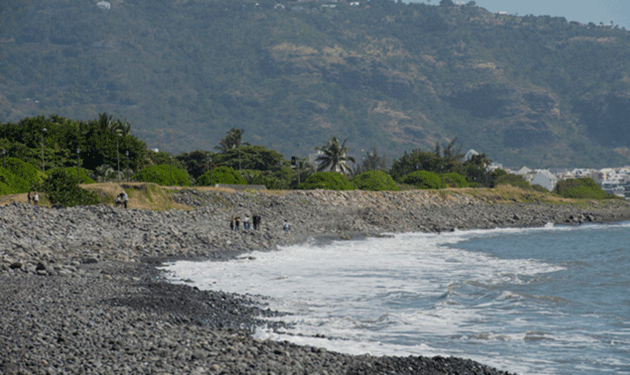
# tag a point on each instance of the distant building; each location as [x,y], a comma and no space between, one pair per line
[545,179]
[104,5]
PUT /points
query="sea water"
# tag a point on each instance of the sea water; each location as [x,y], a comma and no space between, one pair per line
[552,300]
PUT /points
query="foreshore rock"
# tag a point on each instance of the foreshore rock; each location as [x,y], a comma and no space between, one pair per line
[79,292]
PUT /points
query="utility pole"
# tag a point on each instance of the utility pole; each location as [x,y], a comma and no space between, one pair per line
[127,152]
[43,165]
[210,168]
[79,164]
[171,170]
[118,135]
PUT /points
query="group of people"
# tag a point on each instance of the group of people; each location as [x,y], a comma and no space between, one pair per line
[33,198]
[121,199]
[235,222]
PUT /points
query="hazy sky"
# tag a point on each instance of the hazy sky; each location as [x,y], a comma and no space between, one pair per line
[584,11]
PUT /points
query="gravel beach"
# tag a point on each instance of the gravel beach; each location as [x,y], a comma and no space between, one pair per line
[80,293]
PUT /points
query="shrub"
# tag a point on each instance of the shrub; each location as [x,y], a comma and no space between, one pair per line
[423,180]
[270,179]
[5,189]
[221,175]
[376,181]
[454,180]
[61,188]
[72,172]
[494,176]
[540,188]
[326,180]
[514,180]
[24,175]
[161,175]
[581,188]
[7,182]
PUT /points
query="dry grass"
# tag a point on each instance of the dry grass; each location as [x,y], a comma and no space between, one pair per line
[144,196]
[160,198]
[513,194]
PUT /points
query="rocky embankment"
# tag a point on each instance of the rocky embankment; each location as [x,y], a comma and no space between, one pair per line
[79,293]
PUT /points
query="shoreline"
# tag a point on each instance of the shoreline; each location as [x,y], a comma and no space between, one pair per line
[81,291]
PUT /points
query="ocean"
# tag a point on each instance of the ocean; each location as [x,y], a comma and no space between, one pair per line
[552,300]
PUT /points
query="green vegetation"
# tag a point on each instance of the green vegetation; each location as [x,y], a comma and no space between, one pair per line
[334,157]
[72,172]
[63,189]
[423,180]
[581,188]
[221,175]
[328,181]
[514,180]
[454,180]
[23,175]
[161,175]
[7,182]
[443,167]
[376,181]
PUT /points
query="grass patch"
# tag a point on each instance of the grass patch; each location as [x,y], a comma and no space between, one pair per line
[144,196]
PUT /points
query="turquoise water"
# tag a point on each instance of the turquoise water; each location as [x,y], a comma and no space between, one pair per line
[553,300]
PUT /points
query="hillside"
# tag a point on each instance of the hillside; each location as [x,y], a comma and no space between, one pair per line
[525,90]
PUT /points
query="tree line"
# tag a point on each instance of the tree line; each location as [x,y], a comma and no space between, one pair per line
[47,153]
[107,151]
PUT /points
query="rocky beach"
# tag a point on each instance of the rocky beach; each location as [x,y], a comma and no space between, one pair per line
[80,292]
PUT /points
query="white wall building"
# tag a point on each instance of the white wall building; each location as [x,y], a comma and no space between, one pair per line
[545,179]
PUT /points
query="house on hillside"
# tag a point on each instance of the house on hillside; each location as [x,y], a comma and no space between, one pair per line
[526,173]
[104,5]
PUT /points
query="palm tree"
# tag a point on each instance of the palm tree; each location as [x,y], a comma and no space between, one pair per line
[232,140]
[334,157]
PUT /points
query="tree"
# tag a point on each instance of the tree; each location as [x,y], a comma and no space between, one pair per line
[423,180]
[334,157]
[373,161]
[415,161]
[328,181]
[62,188]
[450,159]
[232,140]
[221,175]
[161,175]
[476,168]
[257,158]
[196,162]
[375,181]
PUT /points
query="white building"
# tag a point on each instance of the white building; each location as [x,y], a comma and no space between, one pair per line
[104,5]
[545,179]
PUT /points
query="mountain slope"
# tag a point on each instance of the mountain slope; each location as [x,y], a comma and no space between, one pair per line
[524,90]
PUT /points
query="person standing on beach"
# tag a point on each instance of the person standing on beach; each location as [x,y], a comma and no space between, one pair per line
[256,221]
[237,223]
[287,228]
[246,224]
[28,196]
[232,222]
[125,198]
[36,198]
